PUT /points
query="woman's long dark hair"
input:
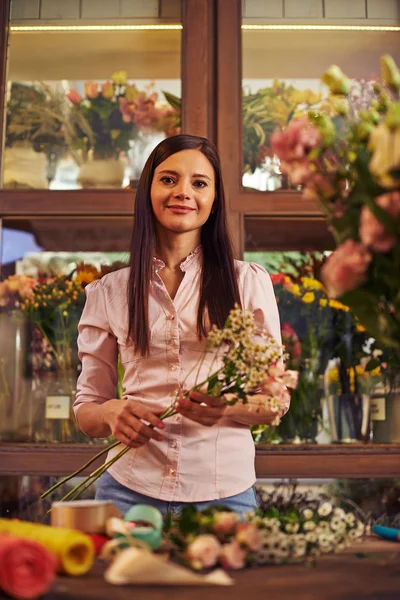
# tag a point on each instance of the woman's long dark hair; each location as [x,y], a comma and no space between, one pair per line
[219,288]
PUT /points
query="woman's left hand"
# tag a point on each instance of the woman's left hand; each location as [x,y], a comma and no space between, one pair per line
[203,409]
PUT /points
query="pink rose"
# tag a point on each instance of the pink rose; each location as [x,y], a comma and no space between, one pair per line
[296,141]
[204,551]
[249,535]
[224,521]
[274,388]
[277,369]
[372,232]
[232,556]
[346,268]
[292,147]
[73,96]
[91,89]
[290,379]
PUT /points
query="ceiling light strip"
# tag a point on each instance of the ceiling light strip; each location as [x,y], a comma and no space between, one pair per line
[279,27]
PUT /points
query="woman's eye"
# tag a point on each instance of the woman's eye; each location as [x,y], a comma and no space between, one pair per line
[200,184]
[167,180]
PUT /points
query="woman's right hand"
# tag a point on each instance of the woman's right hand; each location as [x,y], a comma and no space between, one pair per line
[130,422]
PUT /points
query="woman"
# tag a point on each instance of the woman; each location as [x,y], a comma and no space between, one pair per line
[155,314]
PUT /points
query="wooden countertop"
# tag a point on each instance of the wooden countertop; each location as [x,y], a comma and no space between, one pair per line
[366,571]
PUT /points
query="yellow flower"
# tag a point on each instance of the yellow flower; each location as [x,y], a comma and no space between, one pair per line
[86,274]
[333,375]
[131,93]
[120,77]
[323,302]
[390,72]
[375,372]
[311,284]
[336,81]
[385,146]
[308,297]
[338,305]
[295,289]
[360,328]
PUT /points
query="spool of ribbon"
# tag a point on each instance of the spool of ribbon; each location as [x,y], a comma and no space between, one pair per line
[73,549]
[27,569]
[146,524]
[89,516]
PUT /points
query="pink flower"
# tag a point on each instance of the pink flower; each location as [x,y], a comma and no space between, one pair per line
[73,96]
[372,232]
[107,90]
[224,521]
[91,89]
[26,286]
[346,268]
[249,535]
[296,141]
[318,186]
[290,379]
[204,551]
[277,369]
[127,110]
[291,340]
[232,556]
[292,147]
[274,388]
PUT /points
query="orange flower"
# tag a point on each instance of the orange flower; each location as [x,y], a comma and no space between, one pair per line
[85,274]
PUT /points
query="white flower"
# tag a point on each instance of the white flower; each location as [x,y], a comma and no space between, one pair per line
[324,526]
[325,509]
[350,519]
[308,514]
[311,537]
[309,526]
[292,527]
[339,512]
[337,524]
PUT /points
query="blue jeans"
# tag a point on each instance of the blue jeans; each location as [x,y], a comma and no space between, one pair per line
[124,498]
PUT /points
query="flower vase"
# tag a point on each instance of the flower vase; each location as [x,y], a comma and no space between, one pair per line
[24,168]
[385,411]
[15,379]
[349,417]
[54,418]
[101,173]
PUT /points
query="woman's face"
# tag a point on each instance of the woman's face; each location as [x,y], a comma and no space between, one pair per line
[183,191]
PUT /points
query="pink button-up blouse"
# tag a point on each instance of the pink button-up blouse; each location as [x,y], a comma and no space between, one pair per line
[193,463]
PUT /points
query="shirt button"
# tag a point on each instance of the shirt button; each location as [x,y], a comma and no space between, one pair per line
[171,317]
[174,367]
[171,471]
[174,443]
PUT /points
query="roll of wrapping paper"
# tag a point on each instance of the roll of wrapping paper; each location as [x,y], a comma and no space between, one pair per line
[73,549]
[27,568]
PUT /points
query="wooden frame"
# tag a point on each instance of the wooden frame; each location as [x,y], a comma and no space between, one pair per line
[229,133]
[198,118]
[278,462]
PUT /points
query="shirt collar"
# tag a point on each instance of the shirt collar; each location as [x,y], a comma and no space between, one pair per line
[191,261]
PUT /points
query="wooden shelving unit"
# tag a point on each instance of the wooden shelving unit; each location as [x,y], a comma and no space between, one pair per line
[281,461]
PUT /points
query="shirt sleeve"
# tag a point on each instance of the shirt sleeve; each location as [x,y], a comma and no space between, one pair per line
[259,297]
[97,350]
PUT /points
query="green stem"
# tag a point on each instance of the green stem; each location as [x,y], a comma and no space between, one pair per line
[78,471]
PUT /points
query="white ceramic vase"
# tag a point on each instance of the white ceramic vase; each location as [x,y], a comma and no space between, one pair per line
[24,168]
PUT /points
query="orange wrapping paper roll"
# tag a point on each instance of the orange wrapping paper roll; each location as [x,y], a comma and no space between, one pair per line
[73,549]
[27,569]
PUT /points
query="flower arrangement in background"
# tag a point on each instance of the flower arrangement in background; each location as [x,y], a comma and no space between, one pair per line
[351,164]
[266,109]
[289,527]
[247,364]
[35,115]
[48,309]
[115,113]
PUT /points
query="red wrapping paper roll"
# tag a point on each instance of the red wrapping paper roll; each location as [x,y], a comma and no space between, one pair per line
[27,569]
